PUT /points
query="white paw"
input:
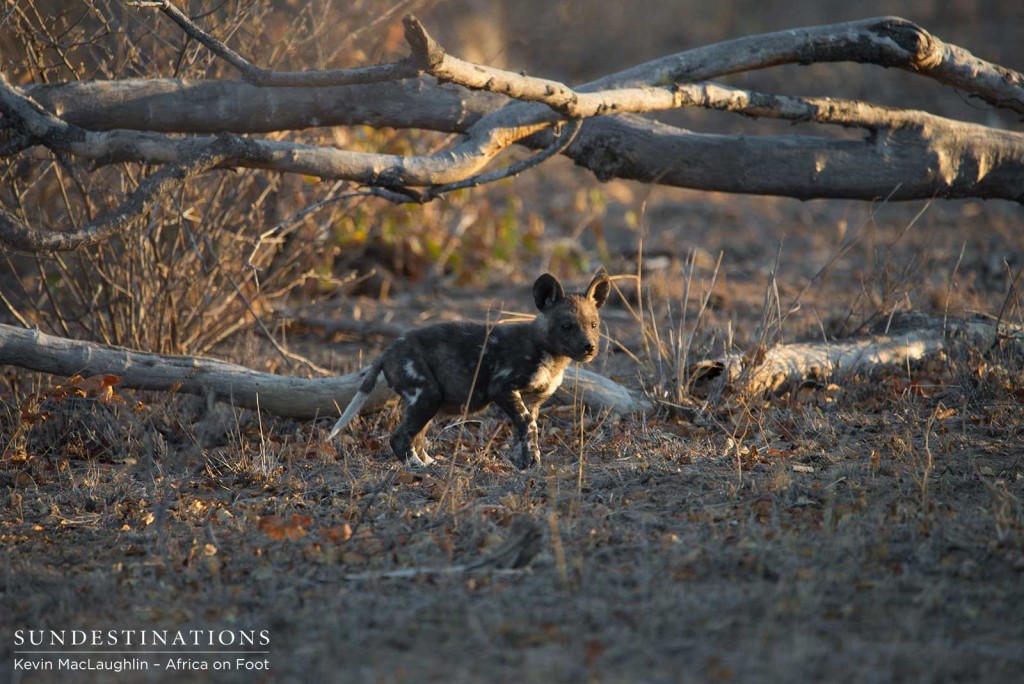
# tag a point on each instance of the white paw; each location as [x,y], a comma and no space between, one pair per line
[423,457]
[524,456]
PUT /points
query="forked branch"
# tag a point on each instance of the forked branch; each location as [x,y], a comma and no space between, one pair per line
[258,76]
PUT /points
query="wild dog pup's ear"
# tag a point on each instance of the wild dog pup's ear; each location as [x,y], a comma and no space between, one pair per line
[599,288]
[547,291]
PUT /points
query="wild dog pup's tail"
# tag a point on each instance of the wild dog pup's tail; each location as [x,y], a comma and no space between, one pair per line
[369,383]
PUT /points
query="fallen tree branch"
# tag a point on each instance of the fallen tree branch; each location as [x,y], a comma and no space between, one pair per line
[281,395]
[977,162]
[291,397]
[890,42]
[885,41]
[922,155]
[454,164]
[667,83]
[525,540]
[917,154]
[906,339]
[168,105]
[559,144]
[905,164]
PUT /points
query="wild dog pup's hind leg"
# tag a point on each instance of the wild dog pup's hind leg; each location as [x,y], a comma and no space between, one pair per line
[420,406]
[525,451]
[421,399]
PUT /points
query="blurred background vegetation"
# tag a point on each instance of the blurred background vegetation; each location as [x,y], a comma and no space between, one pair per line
[202,265]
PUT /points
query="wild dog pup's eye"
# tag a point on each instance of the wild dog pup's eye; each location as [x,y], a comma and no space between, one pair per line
[593,326]
[567,326]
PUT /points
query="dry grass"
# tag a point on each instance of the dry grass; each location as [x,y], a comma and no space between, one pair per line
[876,533]
[877,537]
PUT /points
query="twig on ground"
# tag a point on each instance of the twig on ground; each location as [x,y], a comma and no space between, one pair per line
[524,542]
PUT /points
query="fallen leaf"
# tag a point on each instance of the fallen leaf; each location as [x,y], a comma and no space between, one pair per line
[98,386]
[32,417]
[277,528]
[407,477]
[339,533]
[68,387]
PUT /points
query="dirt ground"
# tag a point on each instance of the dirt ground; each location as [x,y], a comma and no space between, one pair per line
[875,536]
[870,531]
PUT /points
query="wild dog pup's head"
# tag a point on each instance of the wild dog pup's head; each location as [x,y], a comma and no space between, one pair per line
[569,325]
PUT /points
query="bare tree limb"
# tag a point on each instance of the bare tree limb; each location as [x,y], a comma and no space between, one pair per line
[206,107]
[560,143]
[957,161]
[922,156]
[636,89]
[907,338]
[448,166]
[884,41]
[281,395]
[406,68]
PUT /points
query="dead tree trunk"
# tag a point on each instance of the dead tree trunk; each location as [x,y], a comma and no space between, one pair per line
[903,154]
[904,340]
[291,397]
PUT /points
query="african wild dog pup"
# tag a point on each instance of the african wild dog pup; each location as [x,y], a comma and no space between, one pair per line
[444,367]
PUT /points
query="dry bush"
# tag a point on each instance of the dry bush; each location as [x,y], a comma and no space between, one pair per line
[217,255]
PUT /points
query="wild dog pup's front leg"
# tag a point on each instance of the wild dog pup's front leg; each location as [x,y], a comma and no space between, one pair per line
[525,450]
